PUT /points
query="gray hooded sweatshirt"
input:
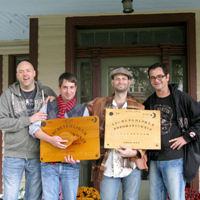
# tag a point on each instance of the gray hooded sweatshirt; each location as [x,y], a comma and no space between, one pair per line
[14,120]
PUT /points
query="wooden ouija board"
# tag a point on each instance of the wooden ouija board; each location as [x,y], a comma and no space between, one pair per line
[82,134]
[138,129]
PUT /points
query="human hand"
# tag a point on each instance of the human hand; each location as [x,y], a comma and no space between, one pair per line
[177,142]
[39,116]
[91,103]
[127,151]
[49,98]
[57,142]
[70,160]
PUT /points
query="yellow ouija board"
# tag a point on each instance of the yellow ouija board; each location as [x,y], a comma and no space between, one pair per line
[138,129]
[82,134]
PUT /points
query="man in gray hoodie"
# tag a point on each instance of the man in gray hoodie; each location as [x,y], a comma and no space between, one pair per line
[19,107]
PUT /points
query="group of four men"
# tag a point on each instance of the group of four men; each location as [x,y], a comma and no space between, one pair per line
[21,113]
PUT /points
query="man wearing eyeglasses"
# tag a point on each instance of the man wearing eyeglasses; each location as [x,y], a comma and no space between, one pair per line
[179,113]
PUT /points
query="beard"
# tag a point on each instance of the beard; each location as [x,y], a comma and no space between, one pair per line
[121,90]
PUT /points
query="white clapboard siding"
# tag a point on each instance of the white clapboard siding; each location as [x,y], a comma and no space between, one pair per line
[51,51]
[14,47]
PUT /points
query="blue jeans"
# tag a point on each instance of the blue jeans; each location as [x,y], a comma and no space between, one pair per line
[67,173]
[166,177]
[109,187]
[13,169]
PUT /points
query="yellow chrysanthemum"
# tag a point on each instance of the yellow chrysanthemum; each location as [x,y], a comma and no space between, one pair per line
[82,195]
[88,193]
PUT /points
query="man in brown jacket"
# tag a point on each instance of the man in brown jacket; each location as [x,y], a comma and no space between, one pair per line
[123,165]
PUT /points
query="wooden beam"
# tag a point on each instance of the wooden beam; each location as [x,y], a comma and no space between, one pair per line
[33,47]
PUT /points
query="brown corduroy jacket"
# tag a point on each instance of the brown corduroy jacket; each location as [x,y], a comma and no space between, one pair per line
[97,109]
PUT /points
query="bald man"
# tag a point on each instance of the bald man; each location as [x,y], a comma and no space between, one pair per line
[19,107]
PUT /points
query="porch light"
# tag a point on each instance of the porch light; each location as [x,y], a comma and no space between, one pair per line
[128,6]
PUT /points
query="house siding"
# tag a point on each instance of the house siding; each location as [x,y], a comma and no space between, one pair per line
[51,51]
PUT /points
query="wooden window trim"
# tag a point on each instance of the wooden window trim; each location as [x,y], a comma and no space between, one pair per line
[33,44]
[132,50]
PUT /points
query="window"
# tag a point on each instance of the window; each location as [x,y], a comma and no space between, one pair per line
[113,37]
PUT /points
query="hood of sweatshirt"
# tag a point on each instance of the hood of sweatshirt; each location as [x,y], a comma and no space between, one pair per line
[15,90]
[15,87]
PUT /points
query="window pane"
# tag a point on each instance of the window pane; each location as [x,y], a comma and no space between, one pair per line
[160,37]
[146,37]
[101,38]
[177,36]
[84,77]
[87,39]
[177,73]
[18,59]
[130,38]
[116,38]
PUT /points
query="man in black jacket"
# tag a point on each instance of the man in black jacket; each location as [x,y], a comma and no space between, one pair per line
[180,124]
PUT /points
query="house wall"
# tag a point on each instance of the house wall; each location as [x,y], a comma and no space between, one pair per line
[51,52]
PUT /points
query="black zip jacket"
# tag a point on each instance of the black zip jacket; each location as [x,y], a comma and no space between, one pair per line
[188,118]
[187,111]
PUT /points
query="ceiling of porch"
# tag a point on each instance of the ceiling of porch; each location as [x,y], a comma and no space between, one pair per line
[14,21]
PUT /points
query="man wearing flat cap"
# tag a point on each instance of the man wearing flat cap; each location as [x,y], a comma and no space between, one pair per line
[117,166]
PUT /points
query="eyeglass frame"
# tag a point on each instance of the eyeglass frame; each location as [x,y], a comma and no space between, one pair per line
[159,77]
